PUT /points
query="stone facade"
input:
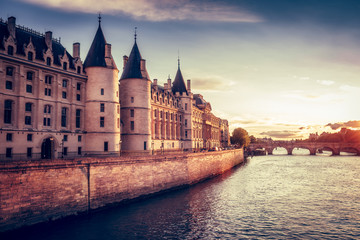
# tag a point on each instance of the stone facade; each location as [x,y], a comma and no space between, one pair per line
[53,105]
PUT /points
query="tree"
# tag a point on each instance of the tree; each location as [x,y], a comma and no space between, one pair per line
[241,137]
[253,139]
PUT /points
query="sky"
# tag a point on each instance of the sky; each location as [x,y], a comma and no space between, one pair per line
[279,68]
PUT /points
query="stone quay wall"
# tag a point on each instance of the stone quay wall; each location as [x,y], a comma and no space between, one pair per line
[39,191]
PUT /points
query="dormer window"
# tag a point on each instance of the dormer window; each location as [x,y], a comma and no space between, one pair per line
[30,56]
[65,66]
[48,61]
[78,70]
[10,50]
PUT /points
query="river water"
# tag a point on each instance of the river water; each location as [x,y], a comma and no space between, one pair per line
[269,197]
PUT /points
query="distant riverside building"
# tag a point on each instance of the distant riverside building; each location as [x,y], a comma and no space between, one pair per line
[53,105]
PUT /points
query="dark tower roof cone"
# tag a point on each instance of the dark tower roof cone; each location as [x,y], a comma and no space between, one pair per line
[132,68]
[179,84]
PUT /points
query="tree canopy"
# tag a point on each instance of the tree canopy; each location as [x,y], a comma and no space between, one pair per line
[241,137]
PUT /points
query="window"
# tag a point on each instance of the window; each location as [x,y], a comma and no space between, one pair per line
[27,120]
[29,152]
[30,56]
[144,145]
[106,146]
[185,122]
[48,79]
[155,113]
[63,116]
[65,138]
[180,118]
[78,98]
[29,137]
[102,91]
[7,111]
[47,92]
[28,88]
[186,134]
[166,115]
[118,109]
[9,137]
[79,138]
[8,85]
[47,109]
[79,150]
[29,76]
[132,99]
[102,107]
[47,121]
[161,113]
[9,71]
[185,106]
[65,66]
[48,61]
[118,123]
[78,86]
[64,83]
[64,94]
[11,50]
[28,107]
[8,152]
[132,125]
[78,70]
[65,151]
[77,118]
[131,112]
[102,121]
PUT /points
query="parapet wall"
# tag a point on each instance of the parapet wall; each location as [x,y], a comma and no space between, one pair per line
[37,191]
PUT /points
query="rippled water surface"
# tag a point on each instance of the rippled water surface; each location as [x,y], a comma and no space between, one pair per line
[270,197]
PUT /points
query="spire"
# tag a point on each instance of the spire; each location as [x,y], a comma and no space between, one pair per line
[135,35]
[133,67]
[96,54]
[179,84]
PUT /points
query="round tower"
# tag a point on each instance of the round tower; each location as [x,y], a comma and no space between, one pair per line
[102,108]
[135,90]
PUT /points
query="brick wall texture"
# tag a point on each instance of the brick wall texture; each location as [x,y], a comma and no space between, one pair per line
[38,191]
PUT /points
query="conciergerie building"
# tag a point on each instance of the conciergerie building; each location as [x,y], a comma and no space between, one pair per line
[54,105]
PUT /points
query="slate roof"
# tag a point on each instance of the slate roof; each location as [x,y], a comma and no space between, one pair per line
[22,38]
[179,84]
[96,54]
[132,68]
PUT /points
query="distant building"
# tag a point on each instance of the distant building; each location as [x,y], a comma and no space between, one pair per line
[52,105]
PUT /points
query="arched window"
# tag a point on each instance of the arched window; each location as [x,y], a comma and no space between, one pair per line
[7,111]
[10,50]
[30,56]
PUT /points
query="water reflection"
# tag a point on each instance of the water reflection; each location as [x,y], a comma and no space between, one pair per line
[271,197]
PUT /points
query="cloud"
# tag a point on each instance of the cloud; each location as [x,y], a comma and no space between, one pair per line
[211,83]
[325,82]
[348,88]
[156,10]
[349,124]
[281,134]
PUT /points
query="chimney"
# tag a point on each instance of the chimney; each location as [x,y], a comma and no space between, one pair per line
[142,65]
[155,82]
[48,39]
[169,82]
[188,85]
[108,50]
[76,50]
[12,26]
[125,59]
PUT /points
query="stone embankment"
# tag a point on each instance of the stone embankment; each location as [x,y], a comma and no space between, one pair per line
[38,191]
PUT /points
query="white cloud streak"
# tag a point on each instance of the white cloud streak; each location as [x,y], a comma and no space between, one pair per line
[155,10]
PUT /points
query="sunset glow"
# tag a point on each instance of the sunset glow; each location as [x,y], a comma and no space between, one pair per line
[279,69]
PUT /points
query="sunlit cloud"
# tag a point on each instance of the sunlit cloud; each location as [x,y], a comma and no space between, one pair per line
[348,88]
[325,82]
[349,124]
[213,83]
[156,10]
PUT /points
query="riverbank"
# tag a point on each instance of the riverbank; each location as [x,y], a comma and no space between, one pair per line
[40,191]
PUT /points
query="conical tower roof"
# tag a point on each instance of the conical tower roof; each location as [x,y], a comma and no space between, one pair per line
[133,66]
[96,54]
[179,84]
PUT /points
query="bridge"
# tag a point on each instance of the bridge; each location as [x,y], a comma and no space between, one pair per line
[313,147]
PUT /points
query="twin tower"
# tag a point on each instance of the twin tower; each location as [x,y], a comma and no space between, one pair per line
[108,101]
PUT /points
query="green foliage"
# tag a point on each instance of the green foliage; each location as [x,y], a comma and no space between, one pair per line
[241,137]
